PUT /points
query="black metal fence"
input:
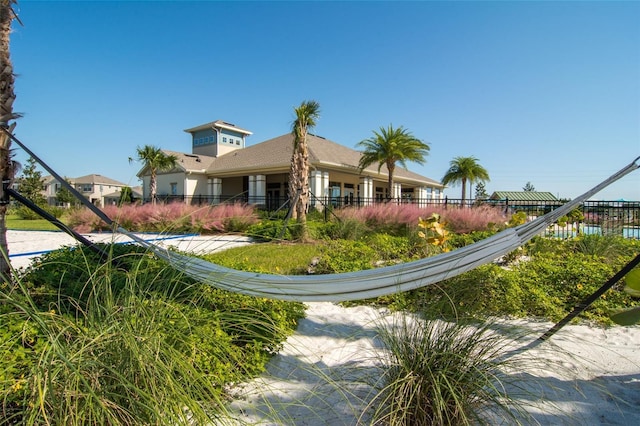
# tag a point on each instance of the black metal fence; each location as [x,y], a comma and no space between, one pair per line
[596,217]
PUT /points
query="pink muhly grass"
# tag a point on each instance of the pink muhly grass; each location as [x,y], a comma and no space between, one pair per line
[175,217]
[482,218]
[459,220]
[84,220]
[387,214]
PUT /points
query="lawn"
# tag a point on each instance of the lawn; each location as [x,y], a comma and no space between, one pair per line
[14,222]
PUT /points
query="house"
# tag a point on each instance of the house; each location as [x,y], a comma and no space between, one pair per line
[98,189]
[221,167]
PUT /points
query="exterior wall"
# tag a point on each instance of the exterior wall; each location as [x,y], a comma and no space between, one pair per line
[205,142]
[232,187]
[167,184]
[216,142]
[196,185]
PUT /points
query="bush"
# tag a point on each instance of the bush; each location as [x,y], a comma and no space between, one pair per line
[128,340]
[546,286]
[26,213]
[437,373]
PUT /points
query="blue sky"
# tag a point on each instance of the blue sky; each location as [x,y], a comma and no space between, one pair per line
[540,92]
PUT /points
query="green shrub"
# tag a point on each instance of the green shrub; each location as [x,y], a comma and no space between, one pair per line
[129,341]
[346,256]
[437,373]
[271,230]
[547,286]
[343,229]
[26,213]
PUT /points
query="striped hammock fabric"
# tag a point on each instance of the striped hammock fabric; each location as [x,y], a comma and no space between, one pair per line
[373,282]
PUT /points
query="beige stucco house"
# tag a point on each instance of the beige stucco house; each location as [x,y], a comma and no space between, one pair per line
[99,190]
[221,168]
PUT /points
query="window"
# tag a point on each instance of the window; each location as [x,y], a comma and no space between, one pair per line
[86,187]
[224,140]
[174,188]
[237,141]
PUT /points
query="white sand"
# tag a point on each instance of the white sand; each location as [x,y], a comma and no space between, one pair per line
[325,371]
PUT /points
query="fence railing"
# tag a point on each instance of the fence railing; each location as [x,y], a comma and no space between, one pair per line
[598,217]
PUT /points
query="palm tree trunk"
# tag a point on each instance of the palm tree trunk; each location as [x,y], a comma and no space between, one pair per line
[294,183]
[391,168]
[152,187]
[303,199]
[7,96]
[464,188]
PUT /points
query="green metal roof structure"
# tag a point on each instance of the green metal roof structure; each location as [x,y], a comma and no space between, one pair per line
[523,196]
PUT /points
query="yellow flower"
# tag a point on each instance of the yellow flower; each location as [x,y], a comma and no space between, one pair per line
[18,384]
[580,286]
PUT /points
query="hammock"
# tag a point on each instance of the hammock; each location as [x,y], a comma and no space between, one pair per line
[373,282]
[352,285]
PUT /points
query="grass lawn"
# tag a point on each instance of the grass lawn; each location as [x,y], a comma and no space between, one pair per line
[272,258]
[15,223]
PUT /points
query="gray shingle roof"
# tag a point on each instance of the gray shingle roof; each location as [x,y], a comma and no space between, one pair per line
[274,155]
[191,162]
[95,178]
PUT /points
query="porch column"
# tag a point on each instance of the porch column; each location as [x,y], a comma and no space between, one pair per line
[252,189]
[397,192]
[257,189]
[325,188]
[319,186]
[366,190]
[261,189]
[421,196]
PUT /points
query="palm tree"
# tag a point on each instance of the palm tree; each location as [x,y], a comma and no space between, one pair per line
[7,97]
[156,161]
[391,146]
[463,170]
[307,115]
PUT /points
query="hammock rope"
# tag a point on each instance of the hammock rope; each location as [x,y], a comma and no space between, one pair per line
[352,285]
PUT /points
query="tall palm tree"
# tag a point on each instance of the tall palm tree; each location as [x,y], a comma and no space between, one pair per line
[307,114]
[391,146]
[463,170]
[7,97]
[156,161]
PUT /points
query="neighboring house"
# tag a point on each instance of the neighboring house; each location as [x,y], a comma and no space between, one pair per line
[221,168]
[98,189]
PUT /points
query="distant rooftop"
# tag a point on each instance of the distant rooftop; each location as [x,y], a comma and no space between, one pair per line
[523,196]
[220,124]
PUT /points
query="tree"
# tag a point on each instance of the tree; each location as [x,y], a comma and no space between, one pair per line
[481,191]
[31,183]
[126,196]
[463,170]
[155,160]
[529,187]
[7,97]
[391,146]
[307,115]
[64,196]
